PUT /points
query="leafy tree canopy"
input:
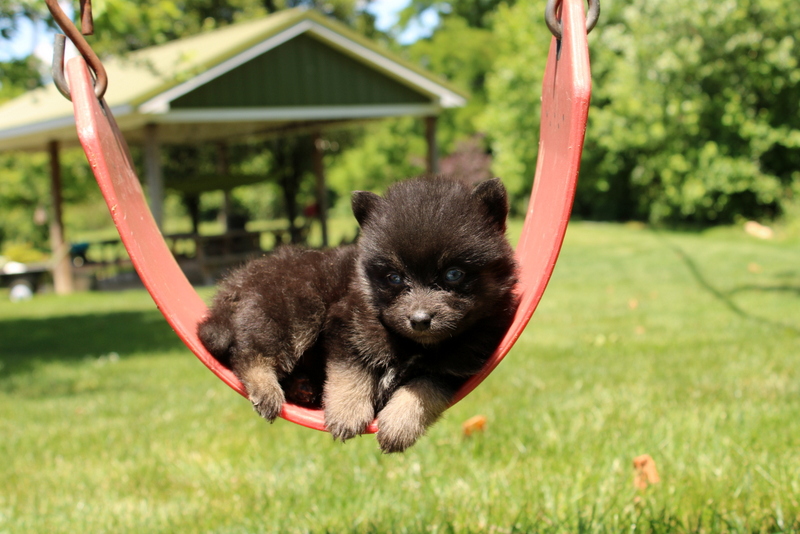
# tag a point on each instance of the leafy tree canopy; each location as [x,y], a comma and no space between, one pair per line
[694,113]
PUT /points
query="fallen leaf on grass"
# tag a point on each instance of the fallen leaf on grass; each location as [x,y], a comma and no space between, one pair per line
[754,268]
[476,423]
[646,472]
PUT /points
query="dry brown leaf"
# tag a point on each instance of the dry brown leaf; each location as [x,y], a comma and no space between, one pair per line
[754,268]
[476,423]
[646,472]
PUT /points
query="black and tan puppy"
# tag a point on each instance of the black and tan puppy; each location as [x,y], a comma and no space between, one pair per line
[391,326]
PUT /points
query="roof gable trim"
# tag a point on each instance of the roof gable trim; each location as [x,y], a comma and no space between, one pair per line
[447,98]
[297,113]
[160,103]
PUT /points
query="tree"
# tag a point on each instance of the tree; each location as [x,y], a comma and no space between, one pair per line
[694,110]
[513,89]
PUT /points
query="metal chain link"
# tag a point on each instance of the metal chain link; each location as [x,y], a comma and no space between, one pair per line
[553,22]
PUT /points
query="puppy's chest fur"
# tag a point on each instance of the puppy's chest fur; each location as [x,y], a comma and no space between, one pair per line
[355,325]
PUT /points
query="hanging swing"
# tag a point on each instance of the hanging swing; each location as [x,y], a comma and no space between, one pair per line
[565,104]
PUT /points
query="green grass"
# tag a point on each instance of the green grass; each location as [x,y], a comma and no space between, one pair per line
[684,346]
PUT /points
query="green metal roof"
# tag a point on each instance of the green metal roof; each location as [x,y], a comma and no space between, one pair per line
[291,67]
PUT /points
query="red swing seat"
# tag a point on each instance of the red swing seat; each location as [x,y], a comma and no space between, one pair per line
[565,104]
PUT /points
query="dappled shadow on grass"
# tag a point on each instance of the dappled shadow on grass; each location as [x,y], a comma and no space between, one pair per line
[783,288]
[724,297]
[29,341]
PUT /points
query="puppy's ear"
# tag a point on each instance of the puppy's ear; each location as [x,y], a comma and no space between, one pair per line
[364,203]
[493,195]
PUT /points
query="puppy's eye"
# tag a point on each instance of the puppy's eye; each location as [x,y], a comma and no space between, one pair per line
[394,279]
[453,275]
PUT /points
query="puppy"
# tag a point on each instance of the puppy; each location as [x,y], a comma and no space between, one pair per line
[391,326]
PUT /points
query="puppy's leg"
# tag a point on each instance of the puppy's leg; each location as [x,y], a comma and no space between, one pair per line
[348,398]
[260,378]
[410,411]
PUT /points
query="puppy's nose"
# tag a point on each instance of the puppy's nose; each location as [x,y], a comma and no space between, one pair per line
[420,320]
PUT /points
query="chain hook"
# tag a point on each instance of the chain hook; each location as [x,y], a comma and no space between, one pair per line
[74,35]
[58,65]
[553,22]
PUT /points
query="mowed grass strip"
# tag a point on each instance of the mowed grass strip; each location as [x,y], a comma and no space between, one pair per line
[683,346]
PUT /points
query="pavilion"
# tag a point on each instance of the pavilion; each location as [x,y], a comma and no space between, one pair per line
[294,71]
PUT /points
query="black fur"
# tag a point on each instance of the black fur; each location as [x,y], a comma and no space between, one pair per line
[392,325]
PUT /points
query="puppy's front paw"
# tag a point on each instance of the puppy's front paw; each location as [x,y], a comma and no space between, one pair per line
[348,398]
[264,392]
[348,420]
[397,432]
[408,414]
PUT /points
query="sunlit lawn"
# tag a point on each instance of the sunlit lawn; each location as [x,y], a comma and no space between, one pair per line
[684,346]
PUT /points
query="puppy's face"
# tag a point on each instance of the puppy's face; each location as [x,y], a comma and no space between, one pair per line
[434,258]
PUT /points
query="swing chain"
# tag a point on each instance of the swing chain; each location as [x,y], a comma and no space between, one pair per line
[551,16]
[74,35]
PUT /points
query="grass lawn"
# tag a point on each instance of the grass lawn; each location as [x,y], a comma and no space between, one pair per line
[683,346]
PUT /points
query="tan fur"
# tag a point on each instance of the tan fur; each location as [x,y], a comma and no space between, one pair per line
[348,399]
[263,390]
[411,409]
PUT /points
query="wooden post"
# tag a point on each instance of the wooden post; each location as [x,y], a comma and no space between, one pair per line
[321,189]
[62,264]
[433,150]
[288,162]
[155,178]
[192,203]
[222,170]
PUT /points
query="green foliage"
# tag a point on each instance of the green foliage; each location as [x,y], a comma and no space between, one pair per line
[463,55]
[122,25]
[694,112]
[513,90]
[24,190]
[18,76]
[475,13]
[22,253]
[25,201]
[389,151]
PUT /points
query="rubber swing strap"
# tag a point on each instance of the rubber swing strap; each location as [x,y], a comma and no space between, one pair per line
[566,91]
